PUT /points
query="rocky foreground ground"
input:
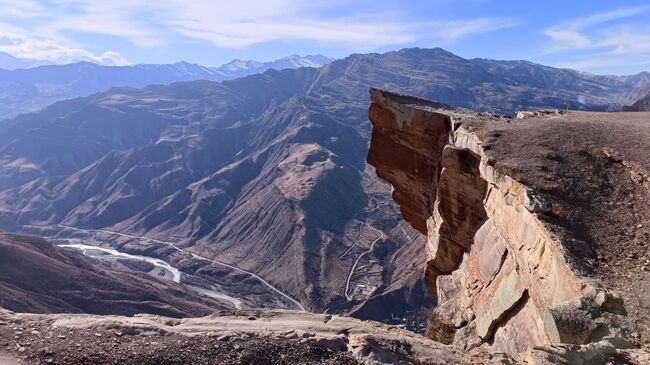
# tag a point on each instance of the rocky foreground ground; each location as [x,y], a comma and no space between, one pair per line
[249,337]
[245,337]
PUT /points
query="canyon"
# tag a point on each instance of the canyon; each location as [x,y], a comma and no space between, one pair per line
[517,256]
[536,225]
[262,172]
[525,224]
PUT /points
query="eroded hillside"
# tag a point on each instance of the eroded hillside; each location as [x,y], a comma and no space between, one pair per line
[39,277]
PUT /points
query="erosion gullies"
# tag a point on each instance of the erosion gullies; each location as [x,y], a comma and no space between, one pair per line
[515,255]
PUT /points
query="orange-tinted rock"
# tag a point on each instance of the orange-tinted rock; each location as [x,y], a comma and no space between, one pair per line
[513,213]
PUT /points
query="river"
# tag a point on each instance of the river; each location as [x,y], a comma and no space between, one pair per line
[162,269]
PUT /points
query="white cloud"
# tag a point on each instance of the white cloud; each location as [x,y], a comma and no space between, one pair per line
[22,9]
[564,39]
[452,30]
[248,22]
[130,20]
[22,46]
[606,16]
[616,46]
[340,31]
[593,43]
[570,35]
[226,24]
[626,40]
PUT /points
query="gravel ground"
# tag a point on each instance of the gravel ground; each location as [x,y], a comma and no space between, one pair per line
[47,345]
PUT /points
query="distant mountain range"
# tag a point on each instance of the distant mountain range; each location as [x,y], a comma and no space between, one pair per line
[26,90]
[9,62]
[239,68]
[265,172]
[641,105]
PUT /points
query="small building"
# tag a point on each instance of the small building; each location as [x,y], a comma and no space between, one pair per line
[366,290]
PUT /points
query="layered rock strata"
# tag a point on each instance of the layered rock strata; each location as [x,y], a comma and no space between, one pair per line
[535,225]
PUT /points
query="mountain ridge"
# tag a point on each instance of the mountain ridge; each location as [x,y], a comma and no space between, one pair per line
[27,90]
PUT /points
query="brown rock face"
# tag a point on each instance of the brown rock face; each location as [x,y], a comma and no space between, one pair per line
[526,219]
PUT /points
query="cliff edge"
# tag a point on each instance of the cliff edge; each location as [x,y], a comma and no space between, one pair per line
[537,225]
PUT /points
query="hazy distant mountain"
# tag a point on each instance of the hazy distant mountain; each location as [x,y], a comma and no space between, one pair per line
[641,105]
[265,172]
[239,68]
[639,86]
[26,90]
[9,62]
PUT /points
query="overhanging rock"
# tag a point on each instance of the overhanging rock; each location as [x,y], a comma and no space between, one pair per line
[513,249]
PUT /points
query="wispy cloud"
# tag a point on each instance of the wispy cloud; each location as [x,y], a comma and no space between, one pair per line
[452,30]
[598,41]
[131,20]
[246,23]
[239,24]
[22,9]
[14,42]
[365,32]
[622,45]
[606,16]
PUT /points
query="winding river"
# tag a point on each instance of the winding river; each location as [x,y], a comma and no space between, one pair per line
[162,269]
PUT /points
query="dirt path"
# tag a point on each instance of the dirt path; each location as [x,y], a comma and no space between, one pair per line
[356,262]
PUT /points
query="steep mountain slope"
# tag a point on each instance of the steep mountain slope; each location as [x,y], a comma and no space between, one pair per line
[640,87]
[26,90]
[39,277]
[641,105]
[265,172]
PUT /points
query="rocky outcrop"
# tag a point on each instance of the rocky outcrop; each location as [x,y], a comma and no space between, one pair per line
[535,233]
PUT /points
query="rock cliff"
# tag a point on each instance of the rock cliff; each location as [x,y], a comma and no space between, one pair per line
[536,225]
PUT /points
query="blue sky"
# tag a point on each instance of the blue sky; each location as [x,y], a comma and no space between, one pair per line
[605,37]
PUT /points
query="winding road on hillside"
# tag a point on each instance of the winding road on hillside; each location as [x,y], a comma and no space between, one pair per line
[173,245]
[356,262]
[372,247]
